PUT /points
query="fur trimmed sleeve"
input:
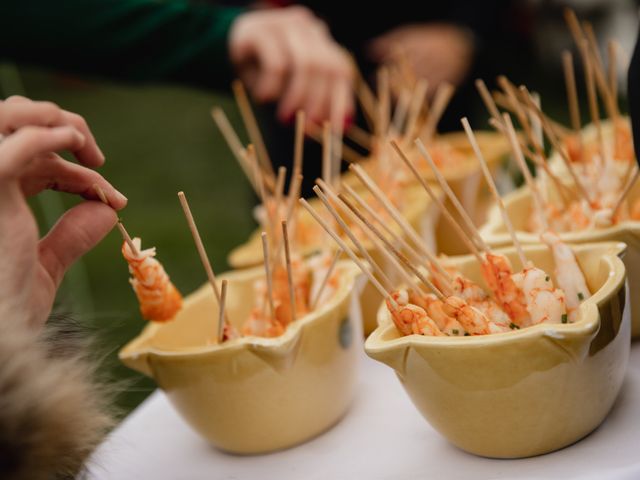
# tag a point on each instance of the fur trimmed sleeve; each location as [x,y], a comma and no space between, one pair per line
[52,411]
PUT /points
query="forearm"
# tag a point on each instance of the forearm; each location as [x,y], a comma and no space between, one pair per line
[129,39]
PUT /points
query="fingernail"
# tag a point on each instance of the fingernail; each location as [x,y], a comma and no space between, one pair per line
[348,121]
[120,197]
[100,153]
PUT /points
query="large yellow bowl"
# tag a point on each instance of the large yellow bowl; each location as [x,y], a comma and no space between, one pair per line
[519,205]
[418,211]
[253,395]
[525,392]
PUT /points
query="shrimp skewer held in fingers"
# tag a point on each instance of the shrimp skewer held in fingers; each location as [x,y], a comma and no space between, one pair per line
[159,299]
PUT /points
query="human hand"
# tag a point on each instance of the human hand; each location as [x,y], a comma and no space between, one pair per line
[437,52]
[32,268]
[287,55]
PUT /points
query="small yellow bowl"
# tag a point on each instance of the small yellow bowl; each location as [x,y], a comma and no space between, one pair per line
[519,205]
[419,212]
[253,395]
[525,392]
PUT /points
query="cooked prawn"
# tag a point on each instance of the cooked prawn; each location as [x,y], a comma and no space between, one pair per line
[568,273]
[158,297]
[497,273]
[409,318]
[545,303]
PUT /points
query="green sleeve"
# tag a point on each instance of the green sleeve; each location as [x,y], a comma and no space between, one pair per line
[127,39]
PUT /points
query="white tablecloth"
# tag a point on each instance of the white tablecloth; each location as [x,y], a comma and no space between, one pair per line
[382,437]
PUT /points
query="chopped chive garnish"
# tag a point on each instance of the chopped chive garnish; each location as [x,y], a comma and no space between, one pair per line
[513,326]
[454,331]
[580,296]
[546,279]
[565,318]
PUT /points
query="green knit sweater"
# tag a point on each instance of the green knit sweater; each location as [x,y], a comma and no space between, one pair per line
[128,39]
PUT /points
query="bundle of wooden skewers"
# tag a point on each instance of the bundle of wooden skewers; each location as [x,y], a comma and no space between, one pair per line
[599,160]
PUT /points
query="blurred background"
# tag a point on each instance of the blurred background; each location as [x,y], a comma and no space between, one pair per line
[159,138]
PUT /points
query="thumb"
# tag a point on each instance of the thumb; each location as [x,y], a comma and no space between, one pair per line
[76,232]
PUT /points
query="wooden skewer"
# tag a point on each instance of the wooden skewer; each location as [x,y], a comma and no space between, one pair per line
[572,92]
[326,152]
[279,190]
[504,102]
[359,136]
[382,290]
[612,49]
[199,245]
[415,108]
[537,197]
[221,311]
[367,99]
[488,100]
[293,196]
[591,94]
[434,198]
[298,149]
[384,278]
[598,67]
[440,102]
[233,142]
[408,230]
[394,251]
[400,112]
[252,127]
[632,181]
[380,221]
[330,194]
[472,229]
[512,93]
[377,244]
[564,191]
[348,153]
[563,154]
[287,257]
[268,274]
[425,281]
[492,186]
[574,25]
[123,231]
[384,103]
[325,280]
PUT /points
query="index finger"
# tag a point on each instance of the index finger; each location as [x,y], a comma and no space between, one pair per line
[18,112]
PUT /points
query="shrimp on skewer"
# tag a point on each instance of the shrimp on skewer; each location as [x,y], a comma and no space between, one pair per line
[497,273]
[568,273]
[545,303]
[411,319]
[159,299]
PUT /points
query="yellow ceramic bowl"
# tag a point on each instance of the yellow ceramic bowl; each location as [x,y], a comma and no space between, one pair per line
[519,204]
[419,212]
[253,395]
[525,392]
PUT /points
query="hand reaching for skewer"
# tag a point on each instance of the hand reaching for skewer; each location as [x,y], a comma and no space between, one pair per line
[287,55]
[32,268]
[438,53]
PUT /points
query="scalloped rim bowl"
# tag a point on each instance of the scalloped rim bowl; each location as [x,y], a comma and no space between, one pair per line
[526,392]
[253,395]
